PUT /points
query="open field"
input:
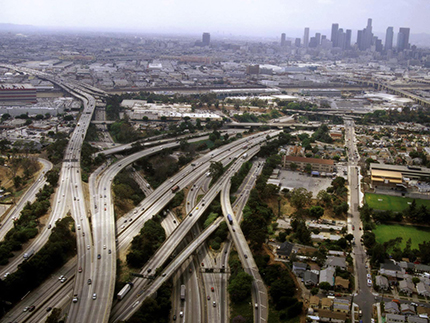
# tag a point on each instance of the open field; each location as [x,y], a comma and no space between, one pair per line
[385,232]
[394,203]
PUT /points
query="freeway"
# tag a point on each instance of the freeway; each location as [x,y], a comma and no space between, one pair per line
[259,294]
[365,297]
[29,196]
[126,306]
[103,268]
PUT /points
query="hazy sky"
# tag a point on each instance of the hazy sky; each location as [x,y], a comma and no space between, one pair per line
[237,17]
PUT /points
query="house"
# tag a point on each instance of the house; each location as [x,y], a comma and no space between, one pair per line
[394,318]
[341,283]
[284,250]
[416,319]
[314,302]
[406,286]
[420,268]
[341,305]
[336,262]
[391,270]
[407,309]
[392,308]
[423,311]
[326,303]
[327,275]
[382,282]
[310,278]
[299,268]
[329,316]
[423,289]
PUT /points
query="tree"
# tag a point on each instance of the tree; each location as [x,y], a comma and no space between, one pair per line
[300,197]
[239,287]
[325,286]
[145,118]
[17,180]
[315,290]
[293,166]
[316,211]
[308,168]
[216,169]
[324,198]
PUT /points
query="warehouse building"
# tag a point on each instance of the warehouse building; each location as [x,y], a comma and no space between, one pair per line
[17,93]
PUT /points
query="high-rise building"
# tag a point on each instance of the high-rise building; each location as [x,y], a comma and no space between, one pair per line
[298,42]
[334,30]
[341,38]
[206,39]
[318,38]
[306,37]
[348,37]
[403,38]
[282,39]
[366,36]
[389,38]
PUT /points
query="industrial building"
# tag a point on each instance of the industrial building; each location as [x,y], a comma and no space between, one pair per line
[384,175]
[17,93]
[319,165]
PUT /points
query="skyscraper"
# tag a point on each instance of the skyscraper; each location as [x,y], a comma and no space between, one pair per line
[318,38]
[389,38]
[298,42]
[348,38]
[282,39]
[403,39]
[341,38]
[334,30]
[206,39]
[365,36]
[306,37]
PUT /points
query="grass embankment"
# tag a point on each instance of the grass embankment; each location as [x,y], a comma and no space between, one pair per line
[394,203]
[386,232]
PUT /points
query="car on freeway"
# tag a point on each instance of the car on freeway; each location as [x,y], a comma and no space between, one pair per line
[49,309]
[212,289]
[31,308]
[94,296]
[89,281]
[80,269]
[99,256]
[209,297]
[214,304]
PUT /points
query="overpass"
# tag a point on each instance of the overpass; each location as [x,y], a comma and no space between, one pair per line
[391,89]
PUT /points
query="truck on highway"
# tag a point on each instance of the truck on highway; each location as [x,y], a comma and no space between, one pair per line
[124,291]
[28,255]
[175,189]
[208,174]
[183,289]
[230,219]
[245,155]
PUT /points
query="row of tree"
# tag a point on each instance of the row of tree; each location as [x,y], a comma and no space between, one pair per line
[60,247]
[26,226]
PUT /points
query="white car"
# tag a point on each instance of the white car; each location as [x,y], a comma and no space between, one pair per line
[369,282]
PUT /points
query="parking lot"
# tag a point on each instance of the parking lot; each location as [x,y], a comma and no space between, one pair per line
[291,180]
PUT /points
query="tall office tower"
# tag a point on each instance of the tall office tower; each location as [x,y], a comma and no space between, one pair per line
[306,38]
[378,45]
[298,42]
[312,43]
[341,38]
[389,38]
[323,37]
[359,38]
[334,30]
[403,39]
[348,38]
[282,39]
[366,38]
[206,39]
[318,38]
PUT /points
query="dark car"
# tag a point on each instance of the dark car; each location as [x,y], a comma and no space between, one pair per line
[49,309]
[31,308]
[98,256]
[89,281]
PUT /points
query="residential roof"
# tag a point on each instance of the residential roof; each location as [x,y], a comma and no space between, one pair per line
[339,281]
[333,261]
[285,249]
[394,318]
[314,300]
[332,315]
[326,302]
[381,281]
[327,275]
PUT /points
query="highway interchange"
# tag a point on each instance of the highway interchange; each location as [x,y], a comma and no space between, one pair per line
[96,241]
[100,238]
